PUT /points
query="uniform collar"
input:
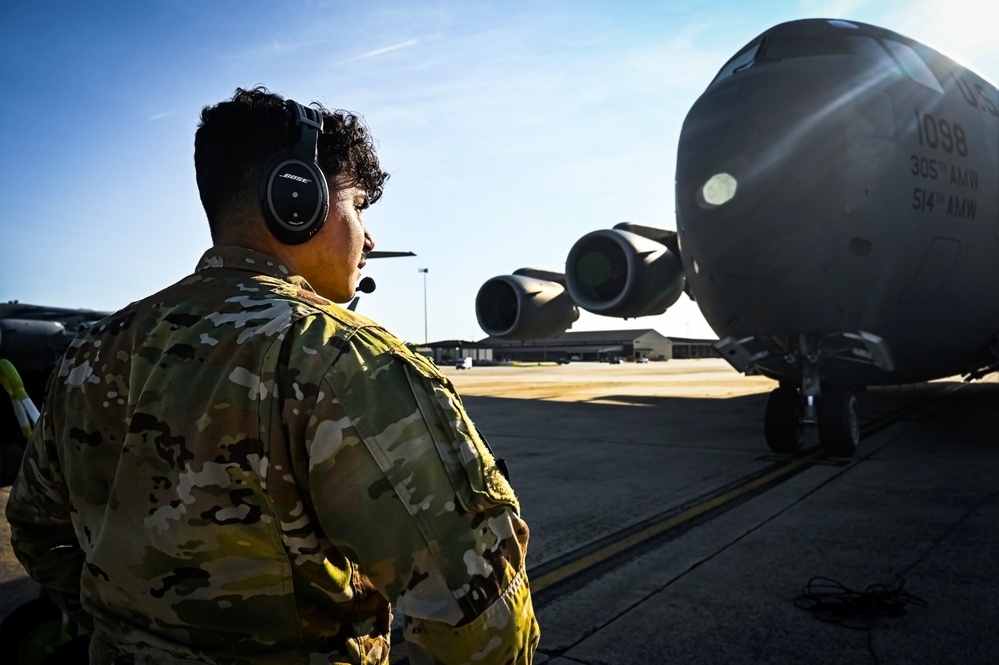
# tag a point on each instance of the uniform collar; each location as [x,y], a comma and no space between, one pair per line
[234,257]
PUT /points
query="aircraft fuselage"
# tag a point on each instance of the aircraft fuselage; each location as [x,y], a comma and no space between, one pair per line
[837,177]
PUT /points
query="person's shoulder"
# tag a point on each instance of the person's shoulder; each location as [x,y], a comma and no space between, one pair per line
[318,313]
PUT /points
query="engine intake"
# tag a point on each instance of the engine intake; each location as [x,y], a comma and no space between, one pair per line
[519,306]
[618,273]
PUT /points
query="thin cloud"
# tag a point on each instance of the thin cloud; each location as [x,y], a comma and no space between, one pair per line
[377,52]
[161,115]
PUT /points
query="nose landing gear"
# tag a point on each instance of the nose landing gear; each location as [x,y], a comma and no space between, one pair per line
[805,400]
[838,421]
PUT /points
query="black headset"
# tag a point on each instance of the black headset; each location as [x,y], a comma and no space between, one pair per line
[293,191]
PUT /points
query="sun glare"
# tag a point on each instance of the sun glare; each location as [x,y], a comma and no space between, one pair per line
[961,29]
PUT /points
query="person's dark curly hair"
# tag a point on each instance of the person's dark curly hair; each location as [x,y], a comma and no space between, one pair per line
[237,137]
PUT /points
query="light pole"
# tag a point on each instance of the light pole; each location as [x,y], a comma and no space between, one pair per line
[425,271]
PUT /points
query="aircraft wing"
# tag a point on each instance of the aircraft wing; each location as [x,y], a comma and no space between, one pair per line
[387,255]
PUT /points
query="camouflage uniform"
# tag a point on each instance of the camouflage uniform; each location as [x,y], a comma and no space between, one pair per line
[236,470]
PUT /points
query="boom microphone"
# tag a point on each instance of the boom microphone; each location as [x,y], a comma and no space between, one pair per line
[366,285]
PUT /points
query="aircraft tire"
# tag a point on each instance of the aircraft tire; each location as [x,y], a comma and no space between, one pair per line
[36,633]
[782,422]
[839,424]
[18,627]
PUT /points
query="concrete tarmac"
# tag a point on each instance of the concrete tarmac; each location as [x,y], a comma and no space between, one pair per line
[664,531]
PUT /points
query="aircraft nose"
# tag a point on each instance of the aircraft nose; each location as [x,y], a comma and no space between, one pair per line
[759,166]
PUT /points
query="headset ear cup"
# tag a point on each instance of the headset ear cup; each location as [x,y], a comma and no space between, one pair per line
[294,198]
[293,193]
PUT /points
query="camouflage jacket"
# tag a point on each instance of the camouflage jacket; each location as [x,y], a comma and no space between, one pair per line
[236,470]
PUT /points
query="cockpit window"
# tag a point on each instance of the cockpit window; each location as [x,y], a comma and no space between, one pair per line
[913,65]
[891,56]
[903,61]
[783,48]
[869,49]
[740,61]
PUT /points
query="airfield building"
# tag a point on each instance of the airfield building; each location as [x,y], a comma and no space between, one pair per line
[601,345]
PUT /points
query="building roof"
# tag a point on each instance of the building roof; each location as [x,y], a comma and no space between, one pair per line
[455,344]
[576,338]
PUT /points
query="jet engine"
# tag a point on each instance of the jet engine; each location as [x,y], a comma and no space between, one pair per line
[529,304]
[617,272]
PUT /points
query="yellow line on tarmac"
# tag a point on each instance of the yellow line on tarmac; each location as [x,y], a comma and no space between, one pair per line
[608,551]
[604,553]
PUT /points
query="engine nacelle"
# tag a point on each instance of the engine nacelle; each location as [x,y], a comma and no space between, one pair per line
[523,307]
[618,273]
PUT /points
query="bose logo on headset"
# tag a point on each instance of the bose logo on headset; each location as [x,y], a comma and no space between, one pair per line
[293,192]
[294,177]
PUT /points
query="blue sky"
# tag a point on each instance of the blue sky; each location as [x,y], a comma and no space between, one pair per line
[510,129]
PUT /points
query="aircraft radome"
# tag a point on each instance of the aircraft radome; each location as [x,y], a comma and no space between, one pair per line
[837,215]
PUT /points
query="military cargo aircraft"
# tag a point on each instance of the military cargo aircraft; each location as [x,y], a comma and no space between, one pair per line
[837,215]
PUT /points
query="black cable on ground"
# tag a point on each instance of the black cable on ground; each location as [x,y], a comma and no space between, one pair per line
[832,602]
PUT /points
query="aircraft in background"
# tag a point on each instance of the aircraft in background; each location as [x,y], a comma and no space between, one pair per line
[837,207]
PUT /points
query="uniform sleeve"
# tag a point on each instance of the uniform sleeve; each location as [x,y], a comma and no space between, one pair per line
[42,534]
[403,484]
